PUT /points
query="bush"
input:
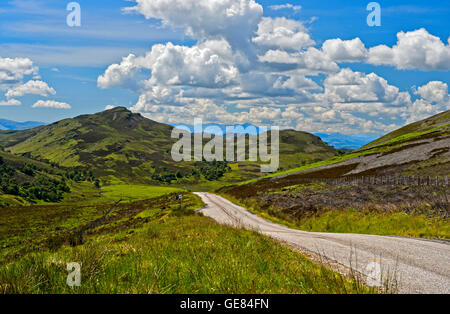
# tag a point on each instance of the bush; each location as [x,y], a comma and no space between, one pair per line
[29,169]
[49,190]
[214,170]
[211,171]
[79,175]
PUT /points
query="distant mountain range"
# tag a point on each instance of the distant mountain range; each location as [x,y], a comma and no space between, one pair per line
[14,125]
[339,140]
[207,127]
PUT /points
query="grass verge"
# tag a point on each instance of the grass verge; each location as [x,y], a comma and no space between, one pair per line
[190,254]
[153,246]
[356,221]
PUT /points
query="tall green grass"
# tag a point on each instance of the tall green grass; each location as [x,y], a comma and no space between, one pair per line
[188,254]
[154,246]
[400,224]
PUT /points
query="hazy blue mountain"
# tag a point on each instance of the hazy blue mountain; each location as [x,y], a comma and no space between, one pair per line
[346,141]
[222,127]
[13,125]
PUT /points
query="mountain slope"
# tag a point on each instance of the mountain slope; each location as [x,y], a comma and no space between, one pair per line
[434,126]
[340,206]
[120,145]
[343,141]
[23,180]
[421,148]
[300,148]
[112,143]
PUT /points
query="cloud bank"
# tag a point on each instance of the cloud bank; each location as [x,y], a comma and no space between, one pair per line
[247,68]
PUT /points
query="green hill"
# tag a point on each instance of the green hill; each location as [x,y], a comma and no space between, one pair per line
[118,145]
[421,148]
[418,149]
[27,181]
[432,127]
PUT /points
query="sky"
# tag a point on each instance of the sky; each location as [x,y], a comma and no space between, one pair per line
[315,66]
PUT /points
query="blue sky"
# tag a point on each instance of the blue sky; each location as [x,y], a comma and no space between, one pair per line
[71,60]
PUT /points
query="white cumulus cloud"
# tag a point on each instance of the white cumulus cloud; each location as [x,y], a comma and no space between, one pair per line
[234,20]
[10,102]
[313,60]
[353,88]
[282,33]
[345,50]
[414,50]
[208,64]
[434,91]
[51,104]
[31,88]
[434,98]
[12,71]
[120,75]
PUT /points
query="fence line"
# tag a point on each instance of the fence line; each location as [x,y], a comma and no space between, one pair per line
[384,180]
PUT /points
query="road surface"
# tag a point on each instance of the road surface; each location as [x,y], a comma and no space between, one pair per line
[416,266]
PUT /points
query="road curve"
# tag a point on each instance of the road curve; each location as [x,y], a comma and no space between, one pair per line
[417,266]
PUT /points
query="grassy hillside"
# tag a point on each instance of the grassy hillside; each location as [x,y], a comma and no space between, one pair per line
[114,143]
[150,246]
[422,212]
[422,148]
[301,148]
[27,181]
[435,126]
[119,145]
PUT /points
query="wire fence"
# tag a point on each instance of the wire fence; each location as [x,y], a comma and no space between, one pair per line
[384,180]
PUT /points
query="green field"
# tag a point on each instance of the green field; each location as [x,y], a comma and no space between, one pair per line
[129,192]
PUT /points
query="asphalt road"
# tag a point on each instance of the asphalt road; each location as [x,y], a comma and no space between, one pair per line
[414,265]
